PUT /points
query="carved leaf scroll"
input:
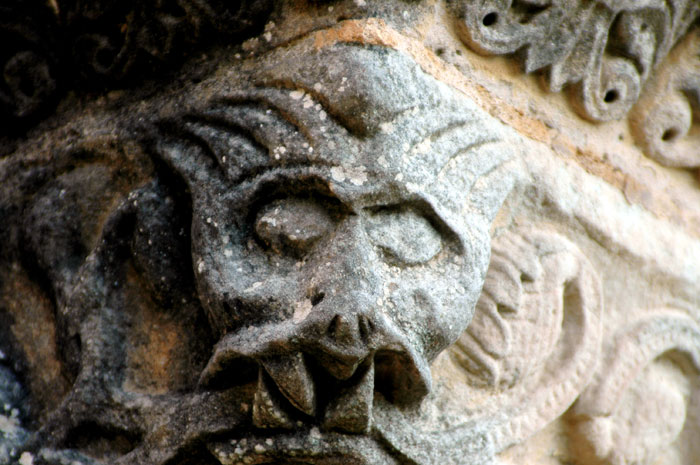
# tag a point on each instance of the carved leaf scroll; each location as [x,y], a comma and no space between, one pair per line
[536,331]
[603,50]
[636,407]
[665,120]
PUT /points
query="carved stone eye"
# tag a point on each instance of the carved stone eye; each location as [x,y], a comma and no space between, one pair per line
[404,235]
[291,226]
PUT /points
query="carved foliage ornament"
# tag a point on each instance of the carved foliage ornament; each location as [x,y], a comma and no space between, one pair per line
[536,332]
[650,371]
[603,51]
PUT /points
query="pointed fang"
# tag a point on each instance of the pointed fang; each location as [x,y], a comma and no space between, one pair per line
[293,379]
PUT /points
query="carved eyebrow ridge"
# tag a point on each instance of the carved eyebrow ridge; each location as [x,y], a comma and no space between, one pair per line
[256,171]
[467,148]
[215,118]
[444,132]
[280,86]
[173,130]
[261,103]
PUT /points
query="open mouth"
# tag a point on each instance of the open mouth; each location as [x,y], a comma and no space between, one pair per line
[315,380]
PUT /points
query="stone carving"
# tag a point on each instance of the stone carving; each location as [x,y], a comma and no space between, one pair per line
[664,121]
[650,372]
[603,51]
[321,245]
[540,309]
[331,276]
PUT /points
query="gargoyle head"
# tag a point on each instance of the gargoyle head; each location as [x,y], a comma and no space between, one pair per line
[340,228]
[327,208]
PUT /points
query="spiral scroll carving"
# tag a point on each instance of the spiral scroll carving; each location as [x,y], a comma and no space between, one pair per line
[602,51]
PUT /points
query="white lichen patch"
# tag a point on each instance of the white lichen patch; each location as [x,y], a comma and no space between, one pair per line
[8,425]
[412,187]
[26,459]
[301,310]
[423,147]
[278,151]
[307,101]
[254,286]
[387,127]
[297,94]
[338,174]
[357,175]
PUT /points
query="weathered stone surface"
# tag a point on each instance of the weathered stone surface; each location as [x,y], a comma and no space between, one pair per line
[328,232]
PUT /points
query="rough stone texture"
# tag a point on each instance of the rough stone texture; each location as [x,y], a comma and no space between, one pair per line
[330,233]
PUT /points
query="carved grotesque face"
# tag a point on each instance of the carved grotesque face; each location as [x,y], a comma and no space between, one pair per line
[328,210]
[339,230]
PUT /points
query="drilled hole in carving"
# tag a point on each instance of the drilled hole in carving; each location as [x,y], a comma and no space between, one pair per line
[317,298]
[670,135]
[490,19]
[611,96]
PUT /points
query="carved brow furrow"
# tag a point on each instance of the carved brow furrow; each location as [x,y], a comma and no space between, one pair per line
[492,169]
[205,145]
[174,131]
[220,122]
[281,86]
[262,104]
[469,147]
[438,133]
[445,131]
[251,173]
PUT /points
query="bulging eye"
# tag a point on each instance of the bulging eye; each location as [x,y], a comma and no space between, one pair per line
[291,226]
[404,235]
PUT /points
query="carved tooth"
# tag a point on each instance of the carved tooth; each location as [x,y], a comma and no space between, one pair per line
[293,379]
[351,411]
[267,413]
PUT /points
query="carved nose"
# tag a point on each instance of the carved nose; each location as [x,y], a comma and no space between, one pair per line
[345,343]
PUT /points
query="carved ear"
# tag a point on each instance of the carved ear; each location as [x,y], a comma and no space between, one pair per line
[535,336]
[644,395]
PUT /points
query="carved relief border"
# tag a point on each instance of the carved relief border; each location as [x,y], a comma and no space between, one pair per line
[605,54]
